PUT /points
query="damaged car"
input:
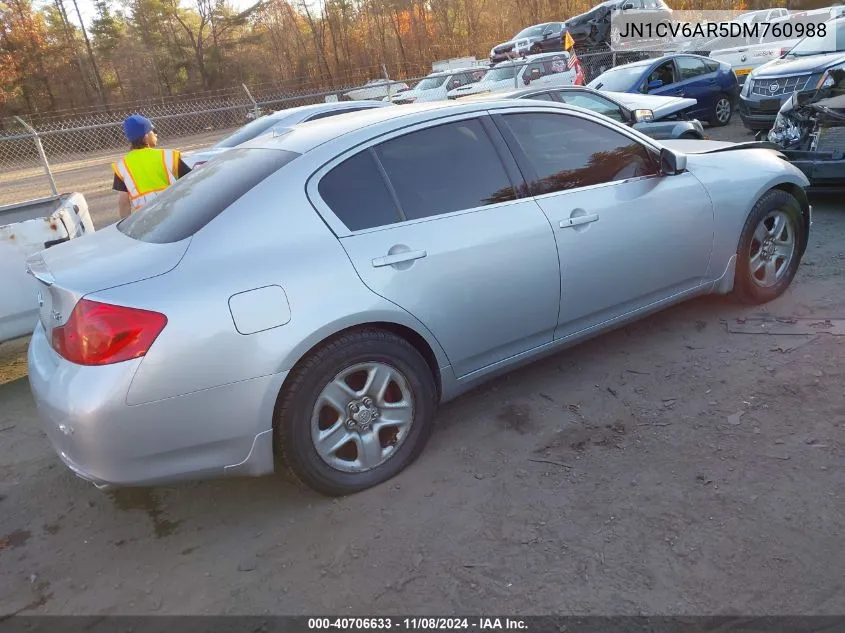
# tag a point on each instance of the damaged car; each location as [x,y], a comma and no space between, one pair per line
[810,130]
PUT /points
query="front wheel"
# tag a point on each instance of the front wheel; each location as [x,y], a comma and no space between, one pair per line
[722,112]
[356,412]
[770,248]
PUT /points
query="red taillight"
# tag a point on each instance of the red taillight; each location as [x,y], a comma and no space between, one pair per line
[784,51]
[101,334]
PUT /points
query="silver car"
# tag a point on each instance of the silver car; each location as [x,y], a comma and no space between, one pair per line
[276,121]
[310,298]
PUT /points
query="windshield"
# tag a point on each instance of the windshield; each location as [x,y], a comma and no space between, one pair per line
[831,42]
[248,132]
[500,74]
[532,31]
[431,82]
[618,79]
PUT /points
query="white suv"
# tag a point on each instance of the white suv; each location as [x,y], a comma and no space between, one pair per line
[545,69]
[435,86]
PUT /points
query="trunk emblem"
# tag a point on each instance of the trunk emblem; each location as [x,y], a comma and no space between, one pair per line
[57,316]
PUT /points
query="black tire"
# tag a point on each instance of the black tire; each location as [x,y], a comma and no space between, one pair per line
[293,419]
[723,100]
[746,289]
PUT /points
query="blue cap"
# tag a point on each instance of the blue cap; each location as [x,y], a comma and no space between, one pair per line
[136,127]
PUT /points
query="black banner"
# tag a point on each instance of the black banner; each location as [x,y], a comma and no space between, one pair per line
[356,624]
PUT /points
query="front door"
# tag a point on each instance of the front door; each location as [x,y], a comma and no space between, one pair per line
[436,229]
[627,237]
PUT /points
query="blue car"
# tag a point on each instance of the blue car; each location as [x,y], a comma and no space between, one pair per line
[712,83]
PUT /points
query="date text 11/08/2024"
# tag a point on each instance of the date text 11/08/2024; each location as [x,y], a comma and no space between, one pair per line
[416,624]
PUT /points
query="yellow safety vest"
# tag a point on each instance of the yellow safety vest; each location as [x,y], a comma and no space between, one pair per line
[147,172]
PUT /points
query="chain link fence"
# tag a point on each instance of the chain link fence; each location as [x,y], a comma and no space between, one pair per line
[78,150]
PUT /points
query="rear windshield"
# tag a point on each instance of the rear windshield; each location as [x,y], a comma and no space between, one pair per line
[248,132]
[196,199]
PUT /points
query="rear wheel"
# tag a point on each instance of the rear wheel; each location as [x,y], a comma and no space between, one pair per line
[770,248]
[722,111]
[356,412]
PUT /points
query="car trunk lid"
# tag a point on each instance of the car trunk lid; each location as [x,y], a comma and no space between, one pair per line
[94,262]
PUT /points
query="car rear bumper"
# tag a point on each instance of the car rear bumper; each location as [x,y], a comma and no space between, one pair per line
[209,433]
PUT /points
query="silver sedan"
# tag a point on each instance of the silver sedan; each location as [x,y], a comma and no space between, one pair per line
[310,298]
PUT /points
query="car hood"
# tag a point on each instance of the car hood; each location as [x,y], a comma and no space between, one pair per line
[105,259]
[476,88]
[661,106]
[798,65]
[695,146]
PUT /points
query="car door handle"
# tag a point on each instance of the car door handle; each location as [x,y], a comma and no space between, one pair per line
[398,258]
[579,220]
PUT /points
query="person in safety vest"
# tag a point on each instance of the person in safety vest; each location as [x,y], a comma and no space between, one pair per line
[145,171]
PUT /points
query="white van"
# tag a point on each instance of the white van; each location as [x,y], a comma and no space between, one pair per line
[772,45]
[435,86]
[545,69]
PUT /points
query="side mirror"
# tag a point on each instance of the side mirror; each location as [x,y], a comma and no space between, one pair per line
[655,84]
[627,6]
[672,163]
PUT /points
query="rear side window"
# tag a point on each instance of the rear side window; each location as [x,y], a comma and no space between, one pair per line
[446,168]
[357,194]
[196,199]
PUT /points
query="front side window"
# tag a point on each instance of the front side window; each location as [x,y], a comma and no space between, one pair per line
[567,152]
[664,73]
[450,167]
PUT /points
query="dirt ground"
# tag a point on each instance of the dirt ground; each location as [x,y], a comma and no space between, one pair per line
[670,467]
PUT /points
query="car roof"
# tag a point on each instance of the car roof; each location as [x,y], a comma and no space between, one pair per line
[306,136]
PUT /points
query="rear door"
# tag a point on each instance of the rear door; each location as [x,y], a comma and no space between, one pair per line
[431,219]
[694,81]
